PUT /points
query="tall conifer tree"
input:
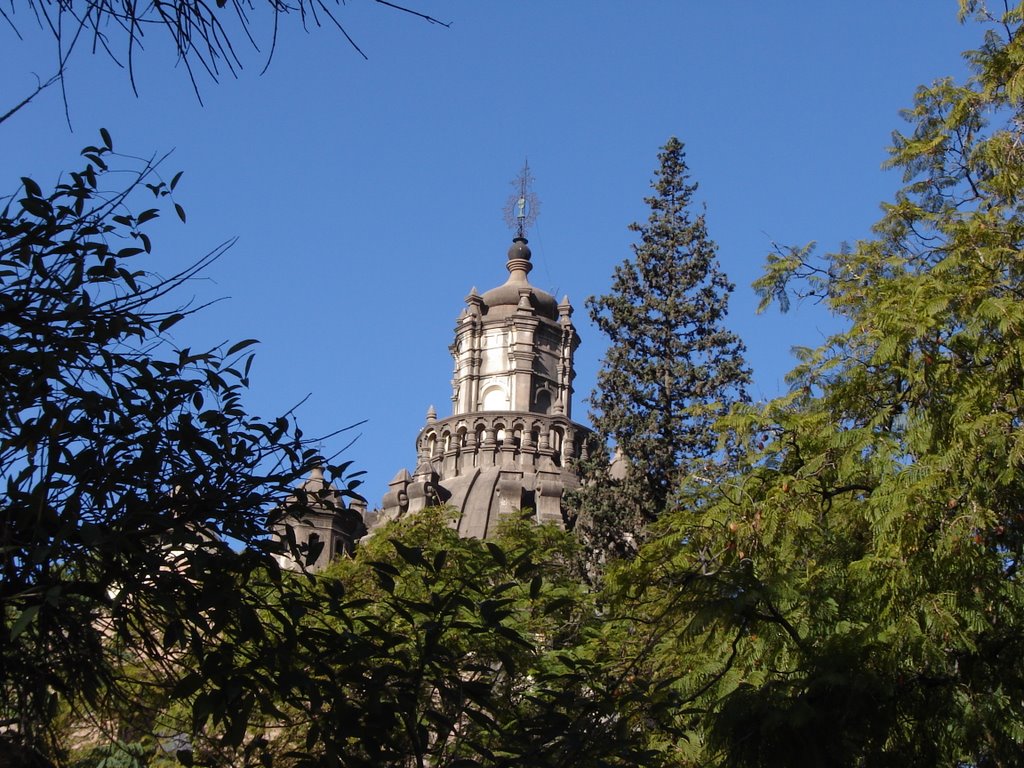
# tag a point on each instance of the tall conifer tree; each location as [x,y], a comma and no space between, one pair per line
[672,368]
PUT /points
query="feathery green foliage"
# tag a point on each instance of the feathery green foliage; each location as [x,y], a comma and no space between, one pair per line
[853,595]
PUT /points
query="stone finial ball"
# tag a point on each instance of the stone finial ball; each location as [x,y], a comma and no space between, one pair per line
[519,249]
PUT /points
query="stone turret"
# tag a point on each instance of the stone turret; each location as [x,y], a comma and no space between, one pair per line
[510,442]
[317,519]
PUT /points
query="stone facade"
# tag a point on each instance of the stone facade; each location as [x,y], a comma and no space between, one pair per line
[322,525]
[510,442]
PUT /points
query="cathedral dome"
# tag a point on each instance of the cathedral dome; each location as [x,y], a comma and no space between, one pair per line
[506,298]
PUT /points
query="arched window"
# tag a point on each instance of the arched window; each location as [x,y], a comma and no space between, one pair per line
[543,401]
[556,446]
[495,398]
[312,548]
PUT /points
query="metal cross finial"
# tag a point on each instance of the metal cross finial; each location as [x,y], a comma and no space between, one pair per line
[522,207]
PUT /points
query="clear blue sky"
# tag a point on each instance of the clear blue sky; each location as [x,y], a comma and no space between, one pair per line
[367,195]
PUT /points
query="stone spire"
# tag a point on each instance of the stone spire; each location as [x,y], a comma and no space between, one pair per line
[319,523]
[518,264]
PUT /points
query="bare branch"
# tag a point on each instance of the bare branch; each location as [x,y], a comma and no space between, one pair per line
[28,99]
[425,17]
[196,27]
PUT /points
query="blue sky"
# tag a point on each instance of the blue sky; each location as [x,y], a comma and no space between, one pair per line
[367,195]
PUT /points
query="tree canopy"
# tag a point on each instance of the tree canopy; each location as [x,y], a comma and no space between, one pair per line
[844,590]
[132,473]
[853,596]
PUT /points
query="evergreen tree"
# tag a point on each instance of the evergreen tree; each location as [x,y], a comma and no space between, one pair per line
[672,368]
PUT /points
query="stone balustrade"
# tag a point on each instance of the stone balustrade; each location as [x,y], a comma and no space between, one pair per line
[502,439]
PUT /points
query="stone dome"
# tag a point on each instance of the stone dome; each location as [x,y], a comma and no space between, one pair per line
[506,298]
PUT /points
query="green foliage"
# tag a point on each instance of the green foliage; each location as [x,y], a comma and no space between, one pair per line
[852,596]
[425,649]
[116,755]
[428,649]
[672,368]
[846,592]
[134,634]
[128,464]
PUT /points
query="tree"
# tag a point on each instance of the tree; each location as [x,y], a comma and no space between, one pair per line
[134,515]
[852,595]
[470,651]
[423,649]
[672,367]
[132,473]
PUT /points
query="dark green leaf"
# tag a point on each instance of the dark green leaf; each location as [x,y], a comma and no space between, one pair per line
[36,207]
[239,346]
[169,321]
[535,586]
[411,555]
[497,553]
[557,603]
[31,188]
[439,560]
[21,623]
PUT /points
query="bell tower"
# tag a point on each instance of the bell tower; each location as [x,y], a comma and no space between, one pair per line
[510,442]
[514,347]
